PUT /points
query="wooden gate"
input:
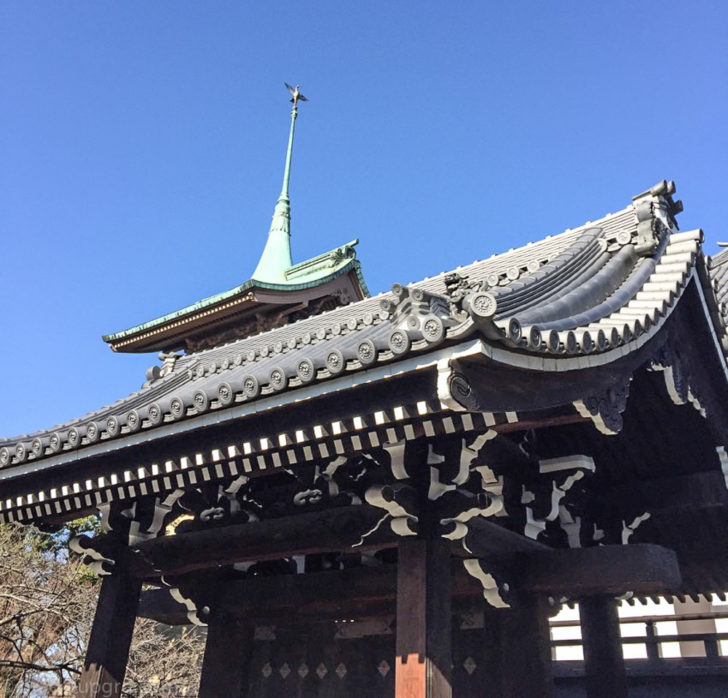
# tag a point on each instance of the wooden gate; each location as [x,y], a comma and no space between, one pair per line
[354,659]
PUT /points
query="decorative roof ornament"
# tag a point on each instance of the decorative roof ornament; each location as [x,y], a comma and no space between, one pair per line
[296,94]
[308,287]
[276,258]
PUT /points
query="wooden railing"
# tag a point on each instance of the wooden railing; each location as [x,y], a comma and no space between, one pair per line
[653,640]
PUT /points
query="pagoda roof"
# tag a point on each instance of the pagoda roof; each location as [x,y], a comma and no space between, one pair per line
[276,289]
[584,298]
[311,273]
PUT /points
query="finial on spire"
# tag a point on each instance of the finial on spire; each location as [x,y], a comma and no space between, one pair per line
[276,257]
[294,113]
[296,95]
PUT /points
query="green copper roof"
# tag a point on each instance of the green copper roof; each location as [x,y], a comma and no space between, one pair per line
[275,269]
[311,272]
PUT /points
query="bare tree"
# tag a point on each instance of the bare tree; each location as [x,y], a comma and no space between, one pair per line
[164,662]
[47,602]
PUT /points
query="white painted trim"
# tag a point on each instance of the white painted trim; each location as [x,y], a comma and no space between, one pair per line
[229,414]
[552,465]
[550,363]
[716,341]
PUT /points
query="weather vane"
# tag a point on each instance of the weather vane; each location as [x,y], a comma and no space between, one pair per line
[296,95]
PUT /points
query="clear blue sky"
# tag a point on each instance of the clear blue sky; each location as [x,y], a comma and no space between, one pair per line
[142,143]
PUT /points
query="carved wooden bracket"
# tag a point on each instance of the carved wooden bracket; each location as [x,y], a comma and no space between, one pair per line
[605,409]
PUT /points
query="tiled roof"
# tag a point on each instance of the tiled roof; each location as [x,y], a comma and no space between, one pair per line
[719,278]
[306,274]
[592,292]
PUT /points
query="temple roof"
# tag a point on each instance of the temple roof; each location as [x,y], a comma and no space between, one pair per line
[311,273]
[276,289]
[583,298]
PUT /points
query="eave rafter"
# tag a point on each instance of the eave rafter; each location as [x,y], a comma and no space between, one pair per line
[191,462]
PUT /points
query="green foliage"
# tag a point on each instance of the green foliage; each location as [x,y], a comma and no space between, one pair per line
[54,540]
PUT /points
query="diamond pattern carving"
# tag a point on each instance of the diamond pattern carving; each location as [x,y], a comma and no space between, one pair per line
[321,670]
[303,670]
[341,670]
[266,670]
[285,670]
[469,665]
[383,667]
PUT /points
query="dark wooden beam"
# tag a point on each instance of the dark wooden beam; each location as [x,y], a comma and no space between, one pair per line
[492,639]
[159,605]
[602,642]
[528,421]
[228,650]
[701,490]
[604,570]
[371,590]
[302,598]
[329,530]
[486,539]
[424,620]
[111,633]
[526,649]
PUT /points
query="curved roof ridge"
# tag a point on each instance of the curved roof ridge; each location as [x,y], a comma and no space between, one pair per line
[554,276]
[429,281]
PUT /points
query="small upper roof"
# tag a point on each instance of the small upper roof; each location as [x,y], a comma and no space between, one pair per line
[316,273]
[292,285]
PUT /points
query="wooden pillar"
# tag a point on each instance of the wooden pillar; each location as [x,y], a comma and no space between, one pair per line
[228,650]
[526,649]
[111,633]
[603,659]
[493,649]
[424,620]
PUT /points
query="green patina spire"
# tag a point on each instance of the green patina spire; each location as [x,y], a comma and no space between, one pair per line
[276,257]
[274,271]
